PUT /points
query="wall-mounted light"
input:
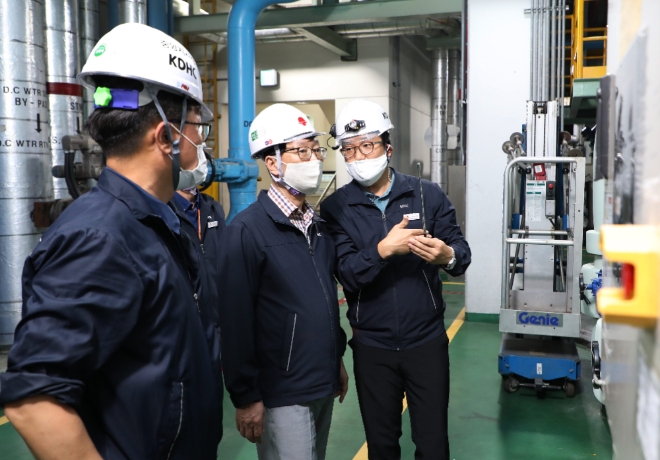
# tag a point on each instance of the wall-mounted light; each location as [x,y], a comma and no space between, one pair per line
[269,77]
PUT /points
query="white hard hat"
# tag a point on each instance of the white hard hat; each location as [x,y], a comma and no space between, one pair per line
[142,53]
[279,124]
[360,117]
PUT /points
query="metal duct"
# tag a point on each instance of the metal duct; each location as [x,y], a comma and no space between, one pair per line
[132,11]
[24,147]
[64,93]
[89,35]
[453,105]
[439,118]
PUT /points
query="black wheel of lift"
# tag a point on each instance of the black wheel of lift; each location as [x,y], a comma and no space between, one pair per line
[569,388]
[510,384]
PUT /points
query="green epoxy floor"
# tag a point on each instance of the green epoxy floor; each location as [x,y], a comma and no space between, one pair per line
[484,422]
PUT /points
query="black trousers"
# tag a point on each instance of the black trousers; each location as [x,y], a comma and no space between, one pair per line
[382,376]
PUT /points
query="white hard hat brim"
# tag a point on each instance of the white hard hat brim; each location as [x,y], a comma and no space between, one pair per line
[258,154]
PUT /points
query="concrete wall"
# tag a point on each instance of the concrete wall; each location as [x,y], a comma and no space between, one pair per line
[497,88]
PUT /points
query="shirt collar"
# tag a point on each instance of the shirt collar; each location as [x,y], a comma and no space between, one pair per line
[114,182]
[384,195]
[283,202]
[185,204]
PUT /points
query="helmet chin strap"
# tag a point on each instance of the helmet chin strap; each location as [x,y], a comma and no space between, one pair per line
[280,180]
[176,148]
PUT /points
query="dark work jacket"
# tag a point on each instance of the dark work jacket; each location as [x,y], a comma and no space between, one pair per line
[212,220]
[111,327]
[281,339]
[395,303]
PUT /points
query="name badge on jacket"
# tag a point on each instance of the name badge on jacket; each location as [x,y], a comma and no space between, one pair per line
[412,216]
[213,224]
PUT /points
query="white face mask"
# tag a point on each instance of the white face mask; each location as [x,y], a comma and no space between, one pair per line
[367,172]
[192,178]
[305,177]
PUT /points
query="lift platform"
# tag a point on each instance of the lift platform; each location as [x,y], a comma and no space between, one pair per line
[539,363]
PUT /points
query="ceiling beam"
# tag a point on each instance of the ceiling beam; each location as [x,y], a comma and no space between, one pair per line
[325,15]
[330,40]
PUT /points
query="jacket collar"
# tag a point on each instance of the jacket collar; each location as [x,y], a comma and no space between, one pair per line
[136,199]
[275,213]
[356,193]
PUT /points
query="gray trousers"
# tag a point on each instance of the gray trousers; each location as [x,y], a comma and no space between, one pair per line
[297,432]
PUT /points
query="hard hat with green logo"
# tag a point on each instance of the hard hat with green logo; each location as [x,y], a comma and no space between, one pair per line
[145,54]
[279,124]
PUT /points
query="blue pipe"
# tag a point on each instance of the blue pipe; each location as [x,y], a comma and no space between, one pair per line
[158,15]
[113,13]
[241,66]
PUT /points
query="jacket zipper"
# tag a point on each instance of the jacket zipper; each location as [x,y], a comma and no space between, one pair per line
[180,423]
[430,291]
[293,334]
[327,300]
[357,313]
[396,303]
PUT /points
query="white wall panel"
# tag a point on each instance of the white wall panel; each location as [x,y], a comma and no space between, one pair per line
[498,86]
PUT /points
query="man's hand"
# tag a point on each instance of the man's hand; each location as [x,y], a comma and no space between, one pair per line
[432,250]
[250,421]
[396,241]
[343,383]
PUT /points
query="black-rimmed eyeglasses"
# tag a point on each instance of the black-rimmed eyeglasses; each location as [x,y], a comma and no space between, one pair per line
[365,148]
[305,153]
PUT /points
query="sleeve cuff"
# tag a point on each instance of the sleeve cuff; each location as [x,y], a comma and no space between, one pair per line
[245,399]
[15,386]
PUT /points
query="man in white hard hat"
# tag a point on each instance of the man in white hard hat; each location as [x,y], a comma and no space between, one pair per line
[282,342]
[115,356]
[389,270]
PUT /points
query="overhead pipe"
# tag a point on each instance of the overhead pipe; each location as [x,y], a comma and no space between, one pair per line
[132,11]
[89,36]
[439,118]
[453,105]
[159,13]
[24,148]
[241,68]
[65,94]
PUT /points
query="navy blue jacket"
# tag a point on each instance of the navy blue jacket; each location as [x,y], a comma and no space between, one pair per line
[281,339]
[212,220]
[394,303]
[111,327]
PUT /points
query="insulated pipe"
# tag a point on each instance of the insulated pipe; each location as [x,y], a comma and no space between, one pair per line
[132,11]
[562,45]
[24,147]
[89,35]
[439,118]
[241,68]
[64,92]
[453,82]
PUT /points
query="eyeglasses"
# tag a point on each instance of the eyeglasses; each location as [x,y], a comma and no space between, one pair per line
[305,153]
[204,129]
[365,148]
